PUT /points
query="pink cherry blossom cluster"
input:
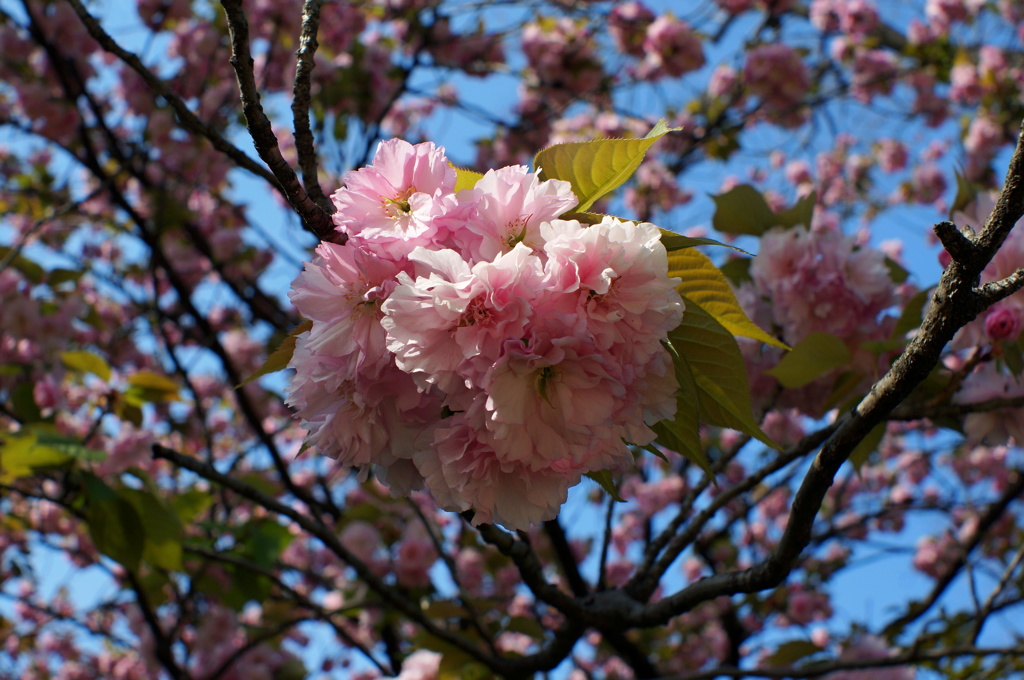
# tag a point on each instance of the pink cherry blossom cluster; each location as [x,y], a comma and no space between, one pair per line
[474,342]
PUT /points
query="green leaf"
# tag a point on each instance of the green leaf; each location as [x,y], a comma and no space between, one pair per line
[966,192]
[704,285]
[604,478]
[598,167]
[1012,356]
[897,272]
[790,652]
[736,270]
[673,241]
[813,357]
[912,314]
[265,540]
[55,277]
[162,529]
[714,359]
[149,387]
[744,210]
[29,269]
[86,362]
[867,446]
[114,524]
[682,433]
[279,358]
[800,213]
[72,447]
[189,505]
[21,453]
[465,178]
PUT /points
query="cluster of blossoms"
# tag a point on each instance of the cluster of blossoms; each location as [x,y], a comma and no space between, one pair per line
[473,342]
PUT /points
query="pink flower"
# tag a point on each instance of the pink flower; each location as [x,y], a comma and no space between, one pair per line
[1003,322]
[776,74]
[627,24]
[395,202]
[341,292]
[671,48]
[447,326]
[870,647]
[509,205]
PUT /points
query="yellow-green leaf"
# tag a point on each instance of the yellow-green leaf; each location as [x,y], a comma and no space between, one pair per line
[682,433]
[604,478]
[161,527]
[21,453]
[704,285]
[714,359]
[744,210]
[598,167]
[673,241]
[867,446]
[813,357]
[279,358]
[149,387]
[86,362]
[465,179]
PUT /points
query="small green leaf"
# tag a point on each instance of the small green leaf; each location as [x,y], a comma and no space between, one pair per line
[813,357]
[162,529]
[465,178]
[71,447]
[189,505]
[114,524]
[21,453]
[149,387]
[597,167]
[790,652]
[55,277]
[744,210]
[86,362]
[29,269]
[673,241]
[867,446]
[910,319]
[737,270]
[800,213]
[714,359]
[966,192]
[703,284]
[278,359]
[897,272]
[682,433]
[604,478]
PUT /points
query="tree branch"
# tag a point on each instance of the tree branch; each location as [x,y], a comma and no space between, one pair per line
[304,65]
[314,218]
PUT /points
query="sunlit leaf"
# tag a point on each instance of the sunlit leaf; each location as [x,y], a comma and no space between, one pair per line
[744,210]
[162,529]
[867,446]
[21,453]
[682,433]
[714,359]
[465,179]
[604,478]
[114,524]
[86,362]
[813,357]
[703,284]
[596,168]
[790,652]
[149,387]
[279,358]
[673,241]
